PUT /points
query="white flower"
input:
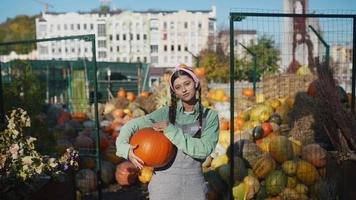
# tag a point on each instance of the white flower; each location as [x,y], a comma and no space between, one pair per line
[25,168]
[2,160]
[27,160]
[39,168]
[14,150]
[52,163]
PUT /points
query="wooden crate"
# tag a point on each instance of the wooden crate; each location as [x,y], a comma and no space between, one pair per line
[284,85]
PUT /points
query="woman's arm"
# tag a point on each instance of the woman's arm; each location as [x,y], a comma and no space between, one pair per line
[198,148]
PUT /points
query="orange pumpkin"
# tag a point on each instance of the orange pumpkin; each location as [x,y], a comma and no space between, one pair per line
[131,96]
[238,123]
[121,93]
[126,173]
[267,128]
[145,94]
[64,117]
[118,113]
[80,116]
[224,124]
[199,71]
[153,147]
[248,92]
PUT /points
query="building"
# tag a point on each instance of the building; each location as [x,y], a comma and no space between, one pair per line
[341,57]
[244,37]
[161,38]
[300,46]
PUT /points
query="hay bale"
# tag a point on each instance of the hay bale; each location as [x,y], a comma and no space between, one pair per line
[306,121]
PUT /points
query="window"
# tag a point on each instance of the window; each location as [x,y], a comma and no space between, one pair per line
[165,47]
[199,25]
[91,26]
[154,59]
[138,59]
[78,26]
[58,27]
[154,48]
[110,37]
[131,36]
[117,37]
[172,48]
[43,50]
[118,49]
[138,37]
[66,50]
[72,27]
[85,27]
[85,50]
[145,59]
[102,54]
[144,37]
[164,36]
[124,36]
[73,50]
[111,49]
[164,25]
[179,47]
[165,59]
[43,28]
[185,25]
[211,26]
[185,48]
[101,43]
[53,50]
[65,27]
[59,50]
[101,30]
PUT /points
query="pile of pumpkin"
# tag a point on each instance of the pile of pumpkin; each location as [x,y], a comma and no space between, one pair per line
[268,162]
[78,130]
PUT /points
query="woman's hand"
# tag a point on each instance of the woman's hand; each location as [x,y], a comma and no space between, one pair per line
[135,159]
[160,126]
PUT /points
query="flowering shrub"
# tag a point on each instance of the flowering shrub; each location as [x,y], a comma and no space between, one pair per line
[19,160]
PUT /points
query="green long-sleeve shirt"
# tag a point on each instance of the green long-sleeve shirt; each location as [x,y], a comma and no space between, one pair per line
[198,148]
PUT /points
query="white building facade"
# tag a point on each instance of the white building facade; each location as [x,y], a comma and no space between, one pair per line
[161,38]
[244,37]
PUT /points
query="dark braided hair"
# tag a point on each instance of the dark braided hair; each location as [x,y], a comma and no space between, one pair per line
[173,106]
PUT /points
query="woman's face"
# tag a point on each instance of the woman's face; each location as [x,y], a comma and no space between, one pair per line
[184,87]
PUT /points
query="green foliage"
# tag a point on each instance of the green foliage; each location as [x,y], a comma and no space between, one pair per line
[217,64]
[20,28]
[267,61]
[25,90]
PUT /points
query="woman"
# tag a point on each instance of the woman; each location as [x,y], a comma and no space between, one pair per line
[192,128]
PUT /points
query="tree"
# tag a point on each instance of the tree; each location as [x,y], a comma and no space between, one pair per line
[20,28]
[267,60]
[216,65]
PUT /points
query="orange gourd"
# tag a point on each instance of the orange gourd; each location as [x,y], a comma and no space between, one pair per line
[145,94]
[131,96]
[224,124]
[199,71]
[118,113]
[121,93]
[154,148]
[126,173]
[248,92]
[80,116]
[64,117]
[267,128]
[238,123]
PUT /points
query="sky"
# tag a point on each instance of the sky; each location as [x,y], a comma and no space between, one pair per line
[11,8]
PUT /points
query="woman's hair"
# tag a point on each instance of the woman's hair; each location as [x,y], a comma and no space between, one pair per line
[173,106]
